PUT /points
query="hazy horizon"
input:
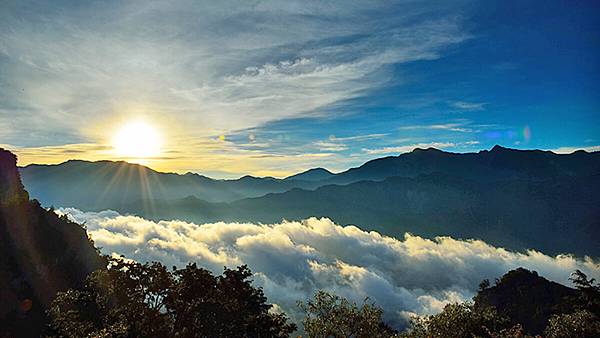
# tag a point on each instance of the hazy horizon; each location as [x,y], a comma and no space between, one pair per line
[219,176]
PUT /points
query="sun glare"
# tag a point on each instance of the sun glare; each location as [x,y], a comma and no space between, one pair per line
[137,140]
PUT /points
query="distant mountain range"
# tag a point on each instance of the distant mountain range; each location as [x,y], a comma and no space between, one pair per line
[107,184]
[514,198]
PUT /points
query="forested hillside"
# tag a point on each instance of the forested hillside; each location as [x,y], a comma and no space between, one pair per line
[41,254]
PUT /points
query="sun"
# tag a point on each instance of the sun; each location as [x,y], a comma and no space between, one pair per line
[137,139]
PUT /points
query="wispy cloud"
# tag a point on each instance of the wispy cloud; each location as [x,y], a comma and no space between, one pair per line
[468,106]
[357,137]
[330,146]
[69,74]
[57,154]
[334,143]
[458,127]
[291,260]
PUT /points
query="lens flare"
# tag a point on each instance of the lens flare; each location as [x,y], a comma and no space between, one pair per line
[526,133]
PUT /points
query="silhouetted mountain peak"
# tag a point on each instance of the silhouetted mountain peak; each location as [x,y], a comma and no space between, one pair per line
[498,149]
[520,276]
[196,175]
[526,297]
[429,150]
[316,174]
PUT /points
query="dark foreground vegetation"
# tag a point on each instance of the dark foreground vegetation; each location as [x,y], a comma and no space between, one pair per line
[134,300]
[54,283]
[521,304]
[40,254]
[147,300]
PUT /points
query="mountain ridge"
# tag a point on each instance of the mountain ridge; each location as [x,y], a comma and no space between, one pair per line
[517,214]
[494,149]
[520,199]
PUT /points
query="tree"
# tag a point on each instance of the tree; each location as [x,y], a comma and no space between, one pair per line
[580,324]
[459,320]
[585,320]
[485,284]
[588,297]
[329,315]
[147,300]
[227,306]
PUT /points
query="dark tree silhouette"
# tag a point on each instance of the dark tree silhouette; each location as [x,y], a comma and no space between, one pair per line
[40,254]
[328,315]
[588,295]
[147,300]
[460,320]
[526,299]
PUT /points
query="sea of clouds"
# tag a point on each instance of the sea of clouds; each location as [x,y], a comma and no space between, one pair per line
[291,260]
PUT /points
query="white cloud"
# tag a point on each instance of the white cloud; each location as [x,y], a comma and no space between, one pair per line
[291,260]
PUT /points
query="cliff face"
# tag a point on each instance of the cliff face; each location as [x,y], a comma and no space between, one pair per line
[40,254]
[11,188]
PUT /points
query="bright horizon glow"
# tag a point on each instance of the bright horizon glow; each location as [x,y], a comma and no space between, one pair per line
[137,139]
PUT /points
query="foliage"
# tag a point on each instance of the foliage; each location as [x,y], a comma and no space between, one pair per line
[329,315]
[516,331]
[147,300]
[459,320]
[522,295]
[580,324]
[585,321]
[588,297]
[40,254]
[485,284]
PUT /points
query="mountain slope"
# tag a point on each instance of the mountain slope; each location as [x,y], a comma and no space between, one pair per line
[106,184]
[548,215]
[515,198]
[497,164]
[41,254]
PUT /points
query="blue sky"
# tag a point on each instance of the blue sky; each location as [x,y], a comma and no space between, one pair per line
[271,88]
